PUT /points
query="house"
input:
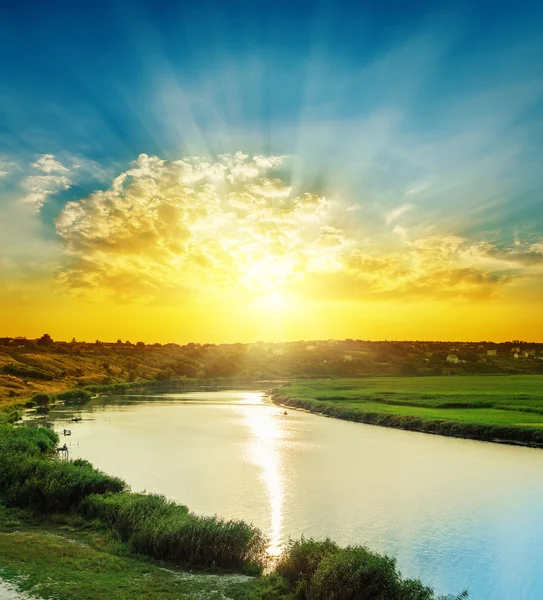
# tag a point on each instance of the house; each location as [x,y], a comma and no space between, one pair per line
[452,358]
[492,353]
[347,358]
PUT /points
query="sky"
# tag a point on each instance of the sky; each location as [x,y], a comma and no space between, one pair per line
[242,171]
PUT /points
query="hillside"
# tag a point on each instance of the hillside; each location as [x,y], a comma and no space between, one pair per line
[28,366]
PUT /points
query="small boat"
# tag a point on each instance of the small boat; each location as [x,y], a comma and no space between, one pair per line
[285,413]
[77,419]
[67,432]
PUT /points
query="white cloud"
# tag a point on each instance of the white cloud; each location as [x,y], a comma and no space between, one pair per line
[39,187]
[47,163]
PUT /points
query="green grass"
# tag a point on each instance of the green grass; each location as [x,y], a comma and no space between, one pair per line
[54,560]
[479,406]
[155,527]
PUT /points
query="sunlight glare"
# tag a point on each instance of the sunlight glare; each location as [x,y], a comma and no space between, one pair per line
[264,447]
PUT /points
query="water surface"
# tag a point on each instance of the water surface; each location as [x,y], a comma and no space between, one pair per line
[456,513]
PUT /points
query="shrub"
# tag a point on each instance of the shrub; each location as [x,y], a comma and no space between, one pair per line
[301,559]
[31,441]
[355,573]
[321,570]
[41,399]
[74,396]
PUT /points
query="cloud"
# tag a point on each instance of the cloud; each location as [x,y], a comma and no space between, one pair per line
[528,254]
[6,166]
[195,225]
[47,163]
[398,212]
[39,187]
[192,223]
[434,267]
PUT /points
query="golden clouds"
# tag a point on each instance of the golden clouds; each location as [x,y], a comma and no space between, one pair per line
[194,226]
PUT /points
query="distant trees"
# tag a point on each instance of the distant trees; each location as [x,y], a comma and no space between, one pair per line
[408,368]
[41,399]
[46,340]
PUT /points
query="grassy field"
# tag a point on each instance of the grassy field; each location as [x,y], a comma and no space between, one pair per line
[479,406]
[62,558]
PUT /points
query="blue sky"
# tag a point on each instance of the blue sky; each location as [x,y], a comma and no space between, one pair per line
[424,119]
[339,85]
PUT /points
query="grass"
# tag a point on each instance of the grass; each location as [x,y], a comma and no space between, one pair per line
[507,407]
[56,560]
[167,531]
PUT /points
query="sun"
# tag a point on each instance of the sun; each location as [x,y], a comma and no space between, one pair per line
[275,301]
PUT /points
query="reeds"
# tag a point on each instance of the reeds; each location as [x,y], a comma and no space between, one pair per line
[155,527]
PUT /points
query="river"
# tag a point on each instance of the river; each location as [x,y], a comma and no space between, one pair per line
[456,513]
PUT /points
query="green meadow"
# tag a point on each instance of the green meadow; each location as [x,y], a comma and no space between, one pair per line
[478,406]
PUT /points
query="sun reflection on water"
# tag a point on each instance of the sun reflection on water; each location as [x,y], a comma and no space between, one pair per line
[264,448]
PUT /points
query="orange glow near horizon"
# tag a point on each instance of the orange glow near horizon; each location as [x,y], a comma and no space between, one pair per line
[188,250]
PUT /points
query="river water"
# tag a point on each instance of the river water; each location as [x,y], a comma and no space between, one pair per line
[456,513]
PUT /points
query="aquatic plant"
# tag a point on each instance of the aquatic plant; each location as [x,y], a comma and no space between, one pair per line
[162,529]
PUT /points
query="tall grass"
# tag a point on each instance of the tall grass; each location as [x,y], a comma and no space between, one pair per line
[167,531]
[29,480]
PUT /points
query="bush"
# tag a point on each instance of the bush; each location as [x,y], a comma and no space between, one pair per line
[301,559]
[31,441]
[41,399]
[355,573]
[321,570]
[74,396]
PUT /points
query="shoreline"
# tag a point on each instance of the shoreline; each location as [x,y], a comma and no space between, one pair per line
[287,402]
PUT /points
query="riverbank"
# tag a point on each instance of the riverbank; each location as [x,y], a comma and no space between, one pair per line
[502,409]
[63,557]
[70,531]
